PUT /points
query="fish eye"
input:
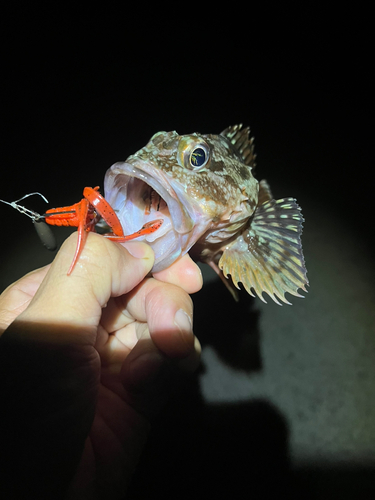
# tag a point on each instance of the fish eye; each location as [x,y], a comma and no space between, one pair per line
[198,157]
[192,153]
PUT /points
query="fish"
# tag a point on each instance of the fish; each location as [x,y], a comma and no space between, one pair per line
[203,189]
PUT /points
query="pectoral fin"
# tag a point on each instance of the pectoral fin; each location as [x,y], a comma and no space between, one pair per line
[267,256]
[264,194]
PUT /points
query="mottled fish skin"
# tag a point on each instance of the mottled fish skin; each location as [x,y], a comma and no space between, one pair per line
[203,188]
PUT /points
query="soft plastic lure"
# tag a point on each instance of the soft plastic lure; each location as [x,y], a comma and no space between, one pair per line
[84,215]
[87,213]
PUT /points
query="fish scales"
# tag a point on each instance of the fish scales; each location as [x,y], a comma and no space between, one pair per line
[214,208]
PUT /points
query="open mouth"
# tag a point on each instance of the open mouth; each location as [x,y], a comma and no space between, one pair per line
[153,201]
[142,205]
[141,194]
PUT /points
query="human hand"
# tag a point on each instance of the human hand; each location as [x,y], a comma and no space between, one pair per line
[86,362]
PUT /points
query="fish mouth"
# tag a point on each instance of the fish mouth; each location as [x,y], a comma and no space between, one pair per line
[141,193]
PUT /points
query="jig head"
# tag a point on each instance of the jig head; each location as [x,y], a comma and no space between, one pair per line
[43,230]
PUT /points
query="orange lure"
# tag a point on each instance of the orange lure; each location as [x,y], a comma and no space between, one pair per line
[86,214]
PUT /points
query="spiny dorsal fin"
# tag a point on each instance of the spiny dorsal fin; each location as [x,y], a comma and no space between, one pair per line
[242,141]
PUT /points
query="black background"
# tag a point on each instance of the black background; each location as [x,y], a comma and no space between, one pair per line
[83,89]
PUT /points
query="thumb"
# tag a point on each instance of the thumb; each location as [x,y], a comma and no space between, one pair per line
[104,269]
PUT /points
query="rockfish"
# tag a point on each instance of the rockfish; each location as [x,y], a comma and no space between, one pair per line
[203,189]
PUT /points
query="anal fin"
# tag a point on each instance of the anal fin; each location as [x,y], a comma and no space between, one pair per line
[227,283]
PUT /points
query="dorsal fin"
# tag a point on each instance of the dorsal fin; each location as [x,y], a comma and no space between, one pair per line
[242,142]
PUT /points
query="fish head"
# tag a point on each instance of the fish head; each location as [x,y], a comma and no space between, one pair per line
[197,184]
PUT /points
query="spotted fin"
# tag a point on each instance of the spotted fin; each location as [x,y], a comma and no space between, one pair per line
[264,192]
[267,256]
[244,144]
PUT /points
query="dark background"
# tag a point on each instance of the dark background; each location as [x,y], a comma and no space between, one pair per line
[84,89]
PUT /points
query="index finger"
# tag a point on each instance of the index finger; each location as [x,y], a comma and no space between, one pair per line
[183,273]
[17,296]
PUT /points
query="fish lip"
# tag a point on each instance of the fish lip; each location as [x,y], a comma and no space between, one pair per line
[160,182]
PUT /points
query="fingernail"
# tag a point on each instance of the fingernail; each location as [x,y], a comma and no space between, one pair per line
[137,249]
[183,322]
[191,362]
